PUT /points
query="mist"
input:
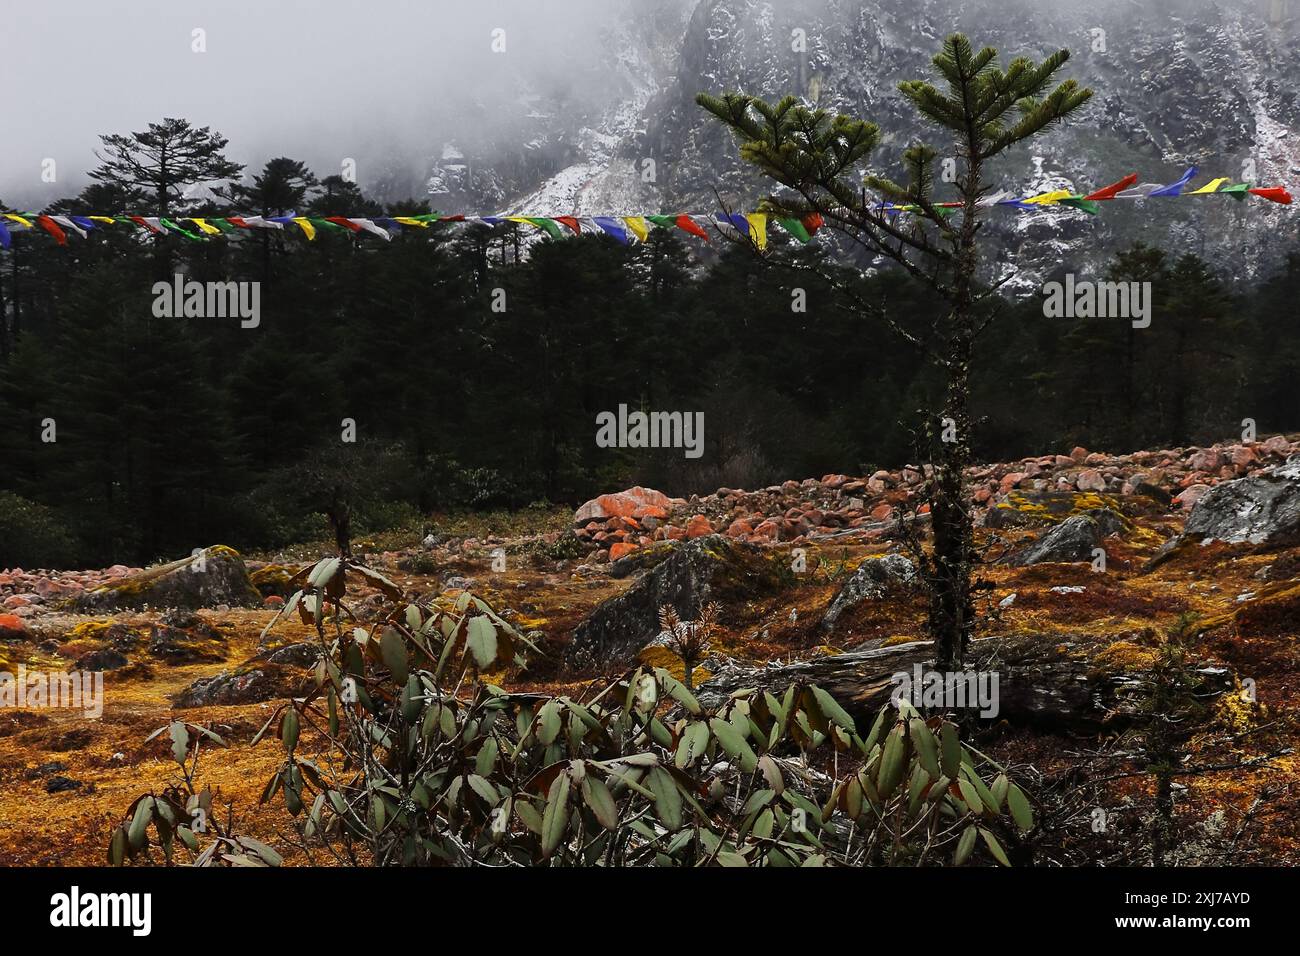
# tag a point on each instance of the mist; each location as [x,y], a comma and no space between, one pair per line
[383,82]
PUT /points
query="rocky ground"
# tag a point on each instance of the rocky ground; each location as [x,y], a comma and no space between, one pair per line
[1201,543]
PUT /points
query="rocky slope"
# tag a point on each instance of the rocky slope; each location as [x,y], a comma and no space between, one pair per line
[1178,83]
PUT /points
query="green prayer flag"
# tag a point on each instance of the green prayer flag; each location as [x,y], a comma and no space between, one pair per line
[184,232]
[794,227]
[1237,191]
[550,225]
[1078,202]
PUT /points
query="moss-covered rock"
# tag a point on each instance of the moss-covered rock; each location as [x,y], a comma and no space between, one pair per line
[710,568]
[212,577]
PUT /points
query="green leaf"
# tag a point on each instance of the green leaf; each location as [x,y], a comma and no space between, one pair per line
[548,719]
[694,739]
[392,648]
[555,819]
[668,801]
[1021,812]
[734,744]
[965,845]
[832,710]
[994,847]
[180,741]
[601,801]
[891,763]
[143,814]
[289,728]
[482,642]
[926,749]
[951,747]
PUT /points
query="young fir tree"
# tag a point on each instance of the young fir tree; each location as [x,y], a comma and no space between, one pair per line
[814,154]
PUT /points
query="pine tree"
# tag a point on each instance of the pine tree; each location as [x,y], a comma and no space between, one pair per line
[987,110]
[157,165]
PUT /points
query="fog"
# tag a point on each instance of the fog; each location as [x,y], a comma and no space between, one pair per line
[379,81]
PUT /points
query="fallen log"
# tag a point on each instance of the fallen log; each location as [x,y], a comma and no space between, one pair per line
[1044,681]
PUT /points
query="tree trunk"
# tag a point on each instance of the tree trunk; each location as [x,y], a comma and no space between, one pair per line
[1041,684]
[952,617]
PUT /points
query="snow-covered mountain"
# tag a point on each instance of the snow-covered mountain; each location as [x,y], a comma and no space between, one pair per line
[1178,83]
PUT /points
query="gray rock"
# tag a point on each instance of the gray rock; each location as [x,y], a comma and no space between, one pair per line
[870,582]
[1074,539]
[694,573]
[1261,509]
[104,659]
[214,577]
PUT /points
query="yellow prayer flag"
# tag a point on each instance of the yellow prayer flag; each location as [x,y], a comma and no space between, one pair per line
[1211,187]
[306,226]
[638,226]
[205,226]
[411,221]
[1051,197]
[523,219]
[18,219]
[758,228]
[105,219]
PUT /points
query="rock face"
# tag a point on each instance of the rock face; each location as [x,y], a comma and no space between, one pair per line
[870,582]
[1261,509]
[694,572]
[1074,539]
[213,577]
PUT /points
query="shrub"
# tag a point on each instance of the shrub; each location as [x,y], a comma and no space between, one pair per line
[33,535]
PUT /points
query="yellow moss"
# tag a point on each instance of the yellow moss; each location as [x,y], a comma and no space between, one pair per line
[89,631]
[1235,713]
[899,639]
[656,655]
[1125,657]
[827,650]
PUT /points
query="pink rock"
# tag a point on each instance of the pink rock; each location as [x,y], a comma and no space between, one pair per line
[739,527]
[620,548]
[1079,454]
[1090,480]
[623,504]
[769,530]
[1277,445]
[12,628]
[881,512]
[1010,481]
[1207,460]
[16,600]
[1190,495]
[273,600]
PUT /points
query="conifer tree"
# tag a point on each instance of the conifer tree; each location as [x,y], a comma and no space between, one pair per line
[815,155]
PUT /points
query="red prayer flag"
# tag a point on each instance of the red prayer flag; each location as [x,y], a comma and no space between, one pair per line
[1274,194]
[687,224]
[344,222]
[812,222]
[1114,189]
[52,227]
[574,226]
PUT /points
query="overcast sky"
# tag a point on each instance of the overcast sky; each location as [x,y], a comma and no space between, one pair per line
[318,81]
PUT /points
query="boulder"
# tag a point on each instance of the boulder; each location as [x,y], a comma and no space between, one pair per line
[213,577]
[623,504]
[696,571]
[873,579]
[1074,539]
[104,659]
[1261,509]
[13,628]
